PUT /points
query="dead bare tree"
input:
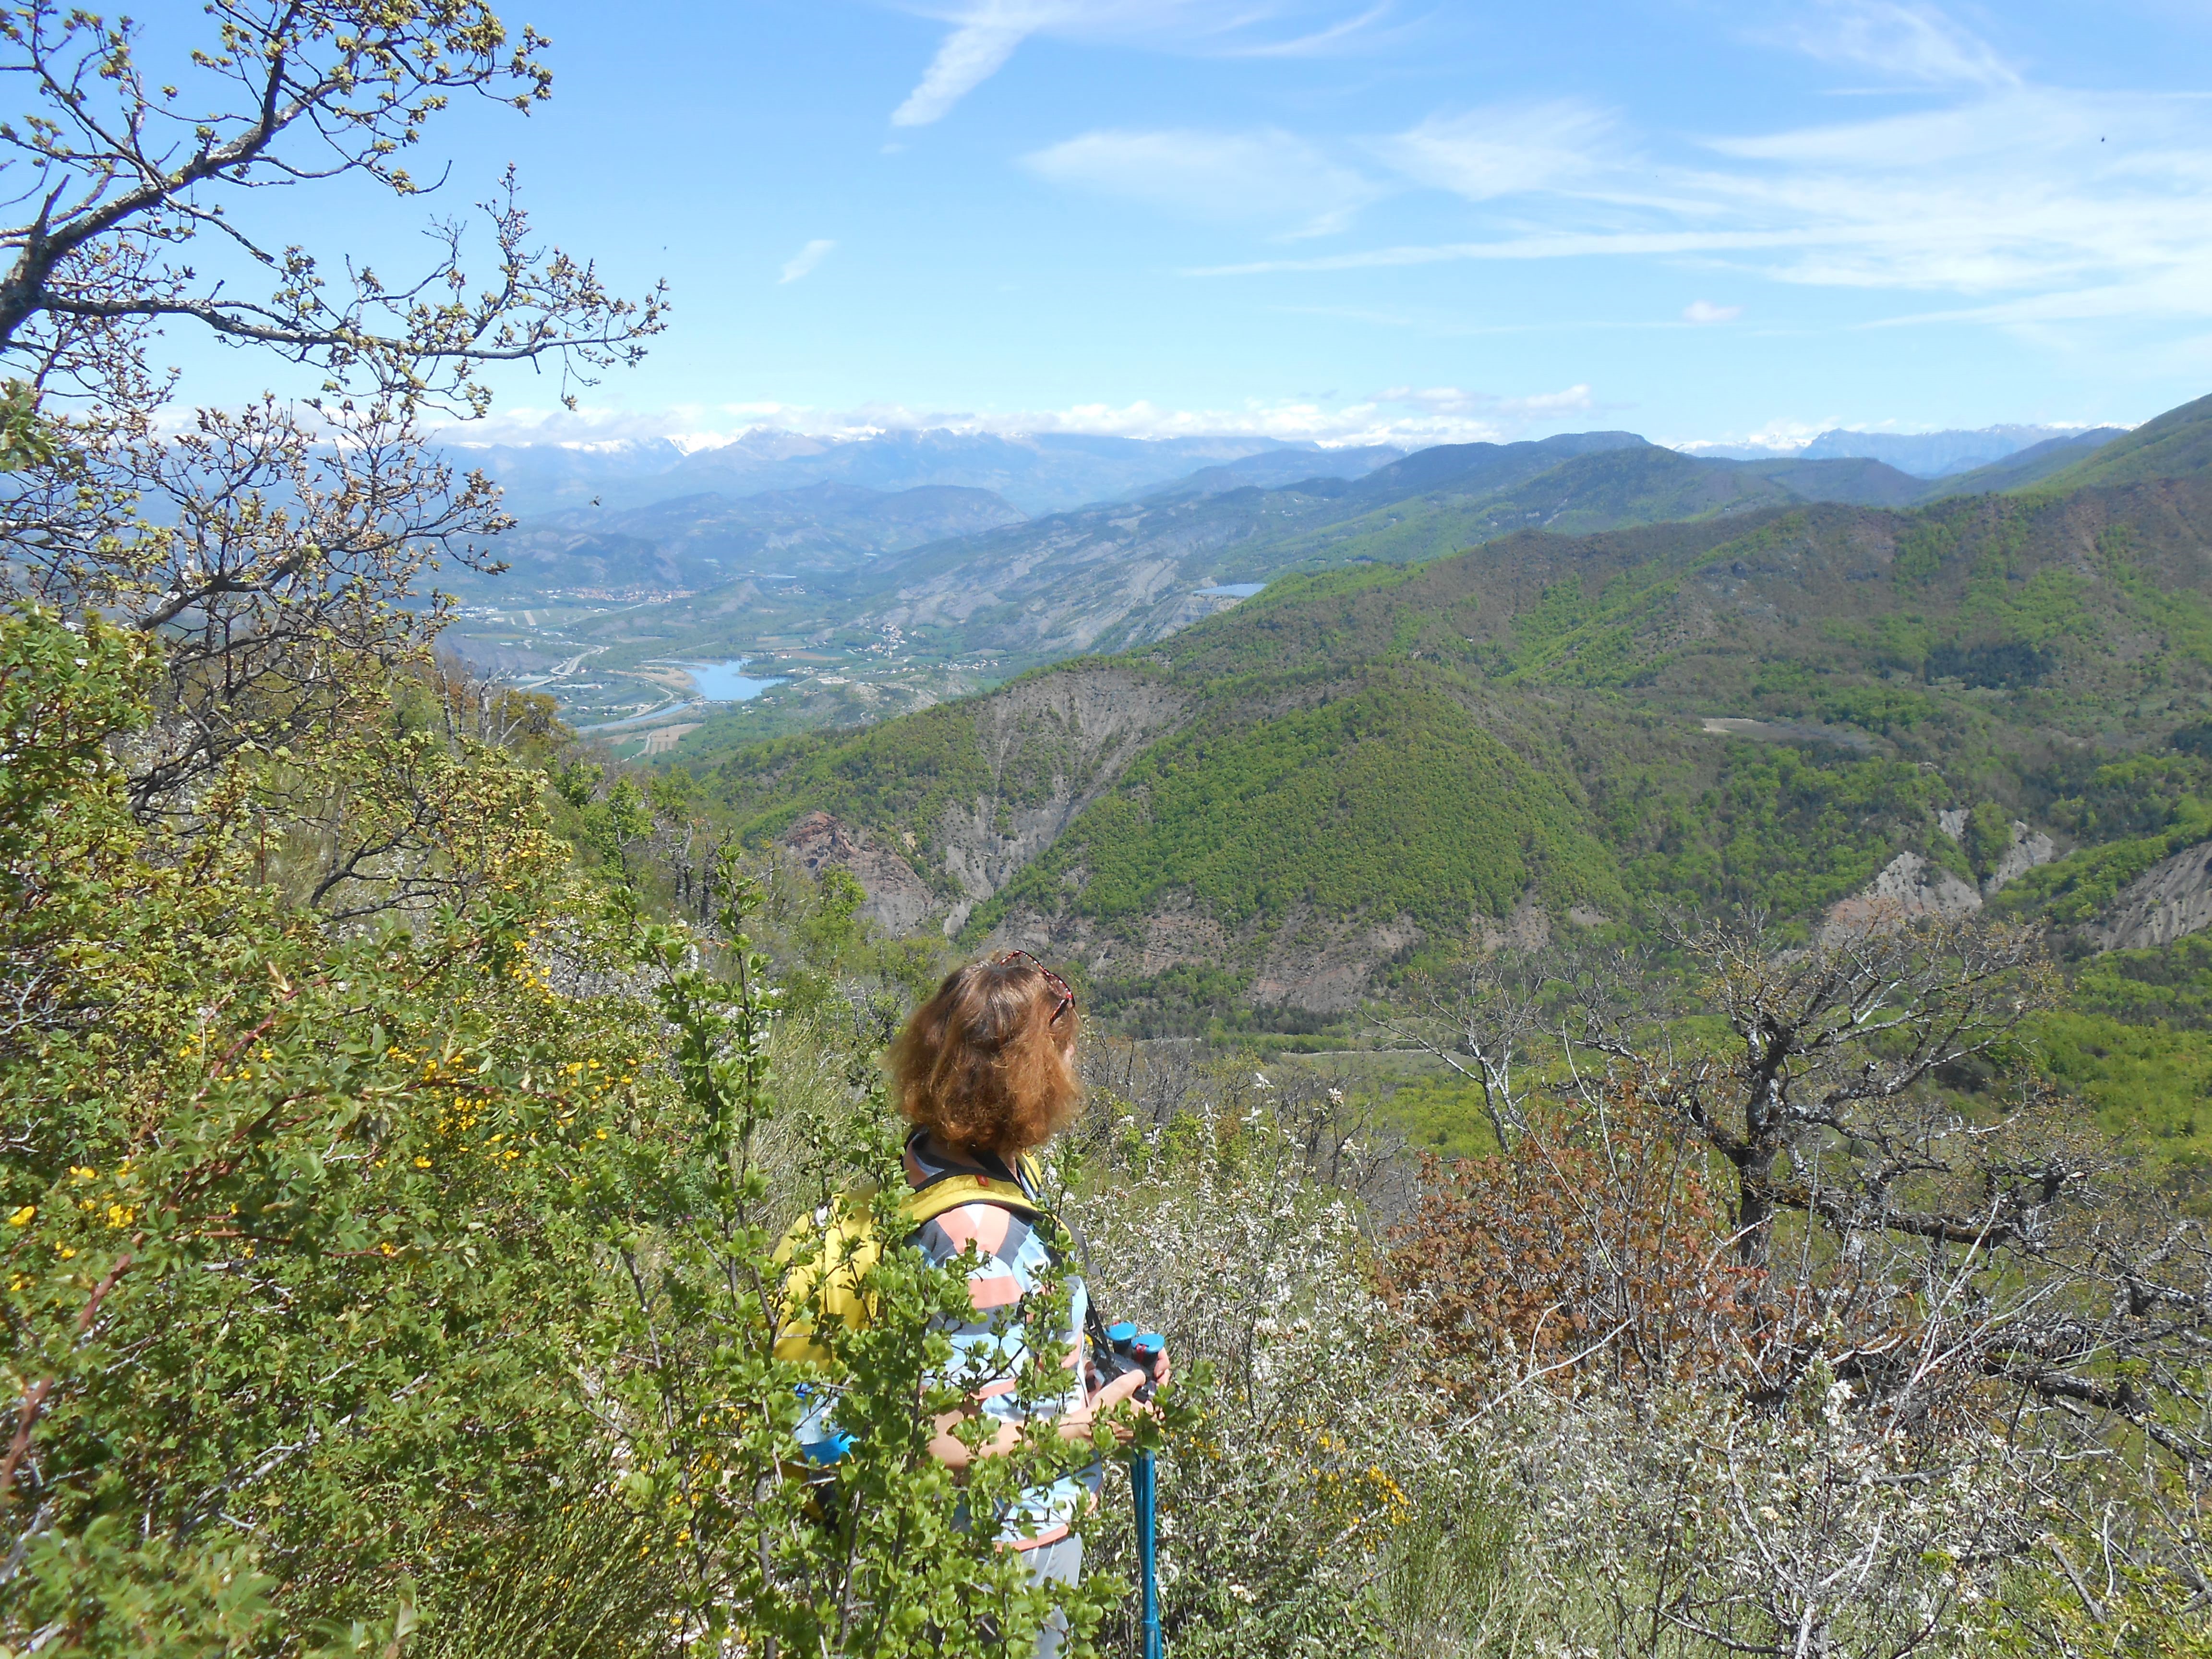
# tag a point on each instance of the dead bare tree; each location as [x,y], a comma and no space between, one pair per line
[1482,1022]
[1833,1045]
[1976,1288]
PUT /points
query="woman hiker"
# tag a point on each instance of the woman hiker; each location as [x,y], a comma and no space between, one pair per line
[985,1071]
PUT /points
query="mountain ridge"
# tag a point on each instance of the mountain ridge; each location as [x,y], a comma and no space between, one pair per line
[1546,730]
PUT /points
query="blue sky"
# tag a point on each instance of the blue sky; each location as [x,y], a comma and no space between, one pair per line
[1701,220]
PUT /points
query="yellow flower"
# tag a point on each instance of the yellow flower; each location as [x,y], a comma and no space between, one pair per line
[120,1215]
[83,1174]
[23,1217]
[421,1163]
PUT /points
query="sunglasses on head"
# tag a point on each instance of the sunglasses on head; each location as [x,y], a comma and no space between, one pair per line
[1067,992]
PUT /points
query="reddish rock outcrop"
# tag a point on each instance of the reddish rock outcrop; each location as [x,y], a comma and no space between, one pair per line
[898,900]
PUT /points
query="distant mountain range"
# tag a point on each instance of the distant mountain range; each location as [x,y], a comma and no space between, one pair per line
[1924,454]
[1113,575]
[1052,473]
[637,518]
[1388,756]
[1042,472]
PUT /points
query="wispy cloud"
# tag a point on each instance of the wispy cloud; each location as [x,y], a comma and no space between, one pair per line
[986,32]
[1910,43]
[1507,149]
[806,259]
[2031,201]
[1705,311]
[973,53]
[1406,415]
[1266,176]
[1321,41]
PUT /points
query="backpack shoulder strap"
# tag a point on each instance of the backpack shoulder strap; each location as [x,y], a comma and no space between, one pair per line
[950,1192]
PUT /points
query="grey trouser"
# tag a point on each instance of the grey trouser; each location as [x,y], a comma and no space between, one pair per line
[1057,1563]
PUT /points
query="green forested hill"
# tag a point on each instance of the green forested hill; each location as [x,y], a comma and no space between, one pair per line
[1348,798]
[2177,445]
[1375,759]
[1264,817]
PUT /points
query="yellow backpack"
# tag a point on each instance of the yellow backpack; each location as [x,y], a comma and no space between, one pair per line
[850,1247]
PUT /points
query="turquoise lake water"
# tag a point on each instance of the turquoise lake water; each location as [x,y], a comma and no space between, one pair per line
[722,682]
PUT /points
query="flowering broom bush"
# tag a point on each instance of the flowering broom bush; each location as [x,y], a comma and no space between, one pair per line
[413,1283]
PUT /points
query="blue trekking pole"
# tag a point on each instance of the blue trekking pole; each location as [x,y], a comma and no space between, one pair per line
[1141,1482]
[1145,1350]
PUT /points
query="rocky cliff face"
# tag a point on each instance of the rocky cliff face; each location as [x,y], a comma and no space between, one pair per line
[899,901]
[1911,887]
[2168,900]
[2029,848]
[1052,745]
[1093,724]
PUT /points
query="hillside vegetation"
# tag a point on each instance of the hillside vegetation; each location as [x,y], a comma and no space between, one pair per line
[2177,445]
[1281,810]
[1544,701]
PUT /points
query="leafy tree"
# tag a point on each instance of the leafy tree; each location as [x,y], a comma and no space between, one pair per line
[297,1225]
[271,546]
[350,1272]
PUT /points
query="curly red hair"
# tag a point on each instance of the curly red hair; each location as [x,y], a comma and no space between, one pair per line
[984,1066]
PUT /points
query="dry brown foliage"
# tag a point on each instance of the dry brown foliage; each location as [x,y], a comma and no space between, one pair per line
[1597,1244]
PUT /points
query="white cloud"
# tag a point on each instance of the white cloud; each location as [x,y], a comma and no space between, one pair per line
[2036,204]
[1902,42]
[1268,175]
[806,259]
[972,54]
[1401,415]
[1780,437]
[1505,150]
[1705,311]
[986,32]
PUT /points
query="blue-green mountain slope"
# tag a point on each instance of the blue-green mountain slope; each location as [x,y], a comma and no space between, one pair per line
[1119,575]
[1267,809]
[2177,445]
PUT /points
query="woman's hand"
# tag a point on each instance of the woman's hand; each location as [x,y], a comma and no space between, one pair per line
[1080,1423]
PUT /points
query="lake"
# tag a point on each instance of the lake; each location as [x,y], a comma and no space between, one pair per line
[721,682]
